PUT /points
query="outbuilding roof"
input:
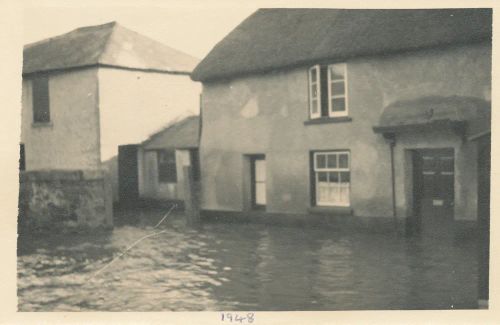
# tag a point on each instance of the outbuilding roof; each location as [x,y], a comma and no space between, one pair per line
[277,38]
[182,134]
[107,45]
[471,112]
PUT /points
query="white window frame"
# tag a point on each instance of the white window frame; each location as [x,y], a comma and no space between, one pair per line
[316,82]
[317,170]
[345,112]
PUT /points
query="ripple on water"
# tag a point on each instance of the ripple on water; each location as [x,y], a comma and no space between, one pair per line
[242,267]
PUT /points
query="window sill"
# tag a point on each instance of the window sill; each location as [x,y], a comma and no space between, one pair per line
[325,210]
[41,124]
[325,120]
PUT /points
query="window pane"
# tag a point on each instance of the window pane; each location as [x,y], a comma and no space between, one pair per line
[41,111]
[320,161]
[338,104]
[167,156]
[428,163]
[343,161]
[446,164]
[337,71]
[260,170]
[313,74]
[337,88]
[345,177]
[260,193]
[314,91]
[343,198]
[332,161]
[314,108]
[334,177]
[322,177]
[167,170]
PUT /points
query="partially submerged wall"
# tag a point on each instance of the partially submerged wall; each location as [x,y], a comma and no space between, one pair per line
[268,114]
[64,200]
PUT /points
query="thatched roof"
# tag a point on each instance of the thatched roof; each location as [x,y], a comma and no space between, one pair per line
[109,44]
[178,135]
[277,38]
[436,110]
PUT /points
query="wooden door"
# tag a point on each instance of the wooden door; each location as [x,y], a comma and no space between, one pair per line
[434,179]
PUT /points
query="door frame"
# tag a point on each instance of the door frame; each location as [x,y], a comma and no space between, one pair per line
[253,203]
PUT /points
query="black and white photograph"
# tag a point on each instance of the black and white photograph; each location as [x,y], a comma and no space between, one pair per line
[254,158]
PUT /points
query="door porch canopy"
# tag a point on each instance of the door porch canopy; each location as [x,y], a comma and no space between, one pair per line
[464,115]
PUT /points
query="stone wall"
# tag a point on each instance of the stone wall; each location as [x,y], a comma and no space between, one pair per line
[61,200]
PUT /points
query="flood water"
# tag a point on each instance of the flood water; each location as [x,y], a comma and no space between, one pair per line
[238,266]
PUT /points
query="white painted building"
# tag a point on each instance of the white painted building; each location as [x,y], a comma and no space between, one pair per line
[93,89]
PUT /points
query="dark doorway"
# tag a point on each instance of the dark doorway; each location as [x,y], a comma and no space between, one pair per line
[195,164]
[22,158]
[128,177]
[258,181]
[434,180]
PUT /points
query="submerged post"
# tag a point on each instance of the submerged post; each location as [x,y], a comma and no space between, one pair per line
[191,200]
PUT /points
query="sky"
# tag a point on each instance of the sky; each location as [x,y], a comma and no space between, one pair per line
[191,28]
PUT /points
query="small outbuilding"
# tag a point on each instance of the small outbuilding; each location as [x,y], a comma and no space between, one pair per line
[160,162]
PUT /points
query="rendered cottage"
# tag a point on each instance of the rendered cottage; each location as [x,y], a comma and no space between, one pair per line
[365,113]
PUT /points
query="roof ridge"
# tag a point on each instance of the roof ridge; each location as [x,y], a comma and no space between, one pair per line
[265,42]
[101,45]
[175,122]
[156,41]
[106,43]
[52,38]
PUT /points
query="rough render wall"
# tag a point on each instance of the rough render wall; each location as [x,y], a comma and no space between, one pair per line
[134,104]
[465,170]
[150,187]
[111,166]
[71,139]
[266,114]
[65,199]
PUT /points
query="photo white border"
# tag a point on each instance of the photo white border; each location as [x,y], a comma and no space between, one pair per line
[11,37]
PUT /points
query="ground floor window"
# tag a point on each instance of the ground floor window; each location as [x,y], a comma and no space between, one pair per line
[332,178]
[167,170]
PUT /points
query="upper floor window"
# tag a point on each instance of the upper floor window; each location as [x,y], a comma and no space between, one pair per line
[41,105]
[328,90]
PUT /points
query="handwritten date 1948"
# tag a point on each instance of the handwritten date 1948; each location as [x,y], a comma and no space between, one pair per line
[236,318]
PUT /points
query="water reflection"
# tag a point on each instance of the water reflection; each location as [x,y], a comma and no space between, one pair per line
[243,267]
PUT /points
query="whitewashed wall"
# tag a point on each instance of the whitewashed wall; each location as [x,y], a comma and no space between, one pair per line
[71,139]
[135,104]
